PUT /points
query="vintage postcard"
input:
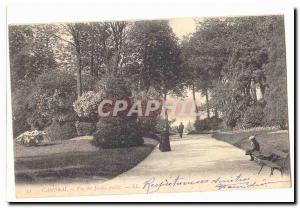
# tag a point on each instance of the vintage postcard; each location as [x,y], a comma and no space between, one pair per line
[149,106]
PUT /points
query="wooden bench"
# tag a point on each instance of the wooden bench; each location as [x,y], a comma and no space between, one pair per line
[277,160]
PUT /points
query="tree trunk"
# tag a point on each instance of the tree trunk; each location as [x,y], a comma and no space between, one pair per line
[164,144]
[92,61]
[74,30]
[167,117]
[79,83]
[194,99]
[207,103]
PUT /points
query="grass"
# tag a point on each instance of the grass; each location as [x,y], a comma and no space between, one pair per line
[268,139]
[75,161]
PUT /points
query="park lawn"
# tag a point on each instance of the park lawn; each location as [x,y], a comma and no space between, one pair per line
[268,139]
[75,160]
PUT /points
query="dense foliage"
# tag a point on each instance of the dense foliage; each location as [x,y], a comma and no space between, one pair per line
[60,70]
[254,116]
[241,63]
[37,103]
[208,124]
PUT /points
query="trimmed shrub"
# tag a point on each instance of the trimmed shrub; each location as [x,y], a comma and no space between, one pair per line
[114,132]
[119,131]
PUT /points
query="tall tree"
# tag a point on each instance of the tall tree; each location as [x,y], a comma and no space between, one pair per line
[118,30]
[158,60]
[230,58]
[244,71]
[94,50]
[205,54]
[191,72]
[76,32]
[71,35]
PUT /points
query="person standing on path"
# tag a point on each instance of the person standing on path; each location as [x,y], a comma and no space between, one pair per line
[180,129]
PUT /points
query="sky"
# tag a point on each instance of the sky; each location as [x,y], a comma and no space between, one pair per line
[182,26]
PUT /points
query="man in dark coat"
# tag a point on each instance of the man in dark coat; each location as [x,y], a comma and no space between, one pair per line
[254,146]
[180,129]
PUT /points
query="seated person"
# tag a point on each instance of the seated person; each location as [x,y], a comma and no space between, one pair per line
[254,147]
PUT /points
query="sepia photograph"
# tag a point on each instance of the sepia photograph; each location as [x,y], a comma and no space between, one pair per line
[187,104]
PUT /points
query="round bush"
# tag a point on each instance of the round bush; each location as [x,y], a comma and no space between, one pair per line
[119,131]
[113,132]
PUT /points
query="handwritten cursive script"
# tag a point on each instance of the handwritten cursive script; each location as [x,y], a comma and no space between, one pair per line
[153,185]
